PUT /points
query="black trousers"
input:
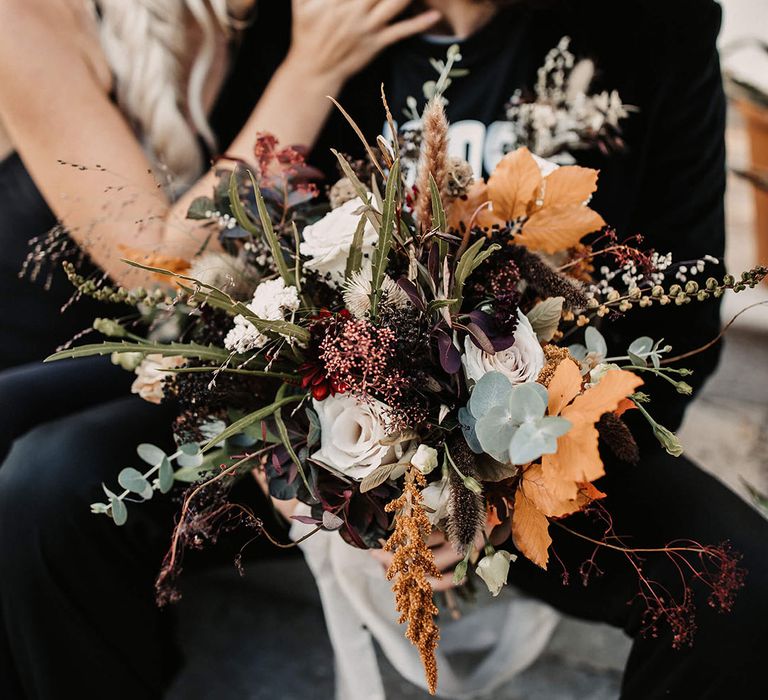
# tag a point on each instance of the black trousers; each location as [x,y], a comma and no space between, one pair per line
[77,614]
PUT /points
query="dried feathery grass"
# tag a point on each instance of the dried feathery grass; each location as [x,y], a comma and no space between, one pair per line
[412,564]
[434,161]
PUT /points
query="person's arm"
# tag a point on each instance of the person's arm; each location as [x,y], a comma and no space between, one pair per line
[680,202]
[59,116]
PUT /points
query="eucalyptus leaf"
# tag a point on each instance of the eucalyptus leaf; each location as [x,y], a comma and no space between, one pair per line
[151,454]
[190,460]
[468,423]
[595,342]
[536,438]
[492,389]
[134,481]
[165,476]
[640,350]
[527,402]
[495,431]
[118,510]
[190,448]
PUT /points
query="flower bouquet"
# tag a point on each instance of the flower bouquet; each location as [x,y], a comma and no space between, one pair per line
[404,362]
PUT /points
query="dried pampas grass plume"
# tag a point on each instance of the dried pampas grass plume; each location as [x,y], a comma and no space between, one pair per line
[434,161]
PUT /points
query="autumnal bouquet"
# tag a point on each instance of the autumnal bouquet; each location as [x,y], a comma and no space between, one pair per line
[404,362]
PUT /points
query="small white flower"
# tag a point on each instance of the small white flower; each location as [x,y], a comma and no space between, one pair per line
[272,301]
[435,498]
[494,569]
[327,242]
[150,375]
[521,362]
[351,435]
[425,459]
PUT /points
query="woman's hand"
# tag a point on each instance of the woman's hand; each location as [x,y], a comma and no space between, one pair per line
[332,40]
[443,553]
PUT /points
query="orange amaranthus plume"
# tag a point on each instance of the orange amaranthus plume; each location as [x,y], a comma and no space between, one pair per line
[411,567]
[552,209]
[560,484]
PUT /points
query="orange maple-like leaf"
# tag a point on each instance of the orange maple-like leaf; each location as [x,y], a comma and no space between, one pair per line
[515,184]
[557,216]
[577,459]
[535,503]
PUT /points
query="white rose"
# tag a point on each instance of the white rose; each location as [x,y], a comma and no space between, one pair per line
[494,569]
[327,242]
[521,362]
[351,432]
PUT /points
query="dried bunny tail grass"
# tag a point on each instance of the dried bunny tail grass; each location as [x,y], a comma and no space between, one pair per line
[412,565]
[434,161]
[466,509]
[546,281]
[615,433]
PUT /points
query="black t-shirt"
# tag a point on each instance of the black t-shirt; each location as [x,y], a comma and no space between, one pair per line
[667,185]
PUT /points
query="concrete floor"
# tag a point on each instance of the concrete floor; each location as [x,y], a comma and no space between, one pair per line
[238,647]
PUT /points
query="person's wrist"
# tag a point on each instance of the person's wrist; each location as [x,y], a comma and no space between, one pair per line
[312,77]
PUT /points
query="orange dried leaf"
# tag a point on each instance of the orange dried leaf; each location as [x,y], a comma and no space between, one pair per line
[514,184]
[530,530]
[543,494]
[615,386]
[564,386]
[556,228]
[570,184]
[578,459]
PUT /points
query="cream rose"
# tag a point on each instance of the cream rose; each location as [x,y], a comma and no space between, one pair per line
[521,362]
[150,375]
[351,432]
[327,242]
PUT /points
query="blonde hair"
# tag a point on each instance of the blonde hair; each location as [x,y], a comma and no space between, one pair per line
[147,46]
